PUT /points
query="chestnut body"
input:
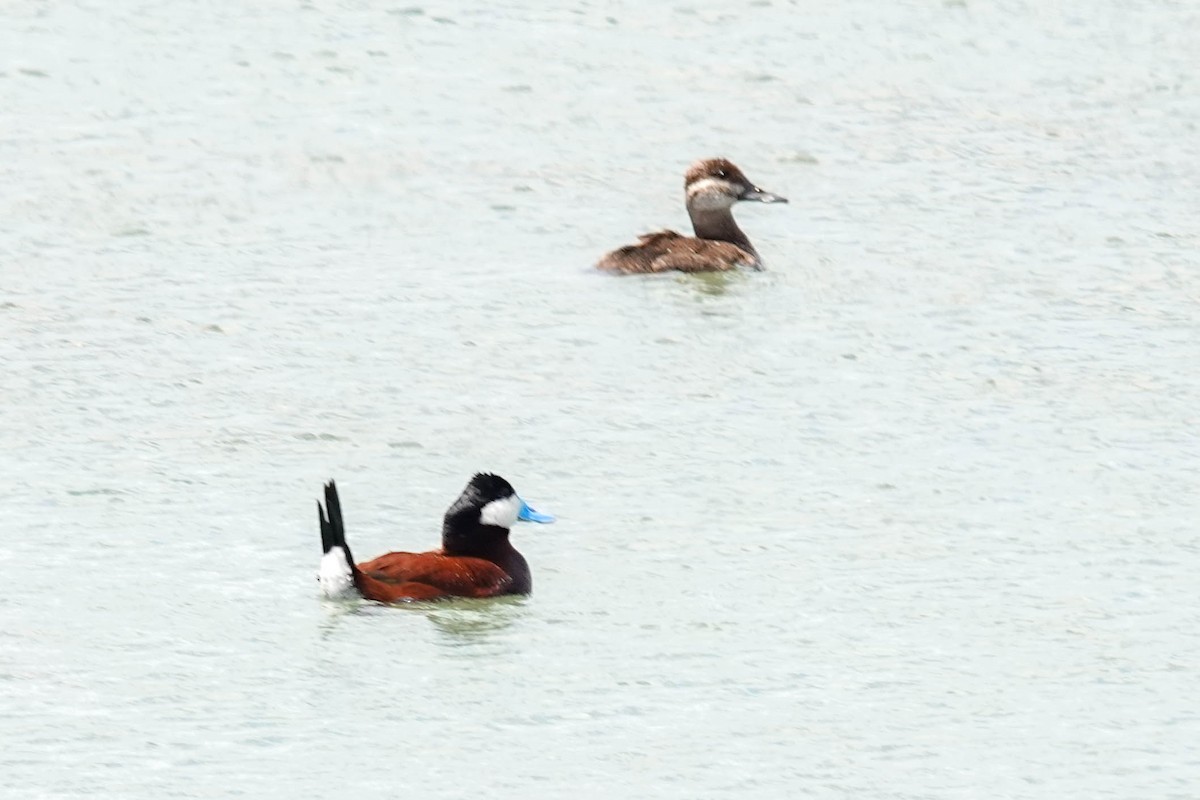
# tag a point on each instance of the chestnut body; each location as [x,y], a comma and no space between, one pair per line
[476,558]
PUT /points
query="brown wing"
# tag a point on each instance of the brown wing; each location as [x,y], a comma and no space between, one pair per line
[450,575]
[638,257]
[702,255]
[667,250]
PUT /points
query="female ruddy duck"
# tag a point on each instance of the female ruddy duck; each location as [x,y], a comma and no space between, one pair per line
[712,187]
[476,559]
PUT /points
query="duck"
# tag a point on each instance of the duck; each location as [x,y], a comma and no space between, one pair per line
[476,558]
[711,187]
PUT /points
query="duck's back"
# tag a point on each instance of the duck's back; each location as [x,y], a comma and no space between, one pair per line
[664,251]
[454,575]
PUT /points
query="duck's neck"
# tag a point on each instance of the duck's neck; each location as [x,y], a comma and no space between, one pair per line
[478,541]
[490,543]
[719,224]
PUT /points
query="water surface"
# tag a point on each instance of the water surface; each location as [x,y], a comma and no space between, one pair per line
[910,515]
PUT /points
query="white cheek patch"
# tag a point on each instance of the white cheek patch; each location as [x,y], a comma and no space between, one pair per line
[334,574]
[501,513]
[711,194]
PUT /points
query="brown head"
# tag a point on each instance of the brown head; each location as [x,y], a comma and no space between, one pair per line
[715,184]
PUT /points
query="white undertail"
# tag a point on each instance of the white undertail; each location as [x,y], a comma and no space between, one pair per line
[335,575]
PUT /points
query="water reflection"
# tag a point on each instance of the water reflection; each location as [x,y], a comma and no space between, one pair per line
[464,623]
[460,622]
[713,284]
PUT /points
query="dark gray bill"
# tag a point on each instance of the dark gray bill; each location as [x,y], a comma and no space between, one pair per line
[759,196]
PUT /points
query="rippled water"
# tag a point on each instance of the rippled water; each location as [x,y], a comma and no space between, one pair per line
[910,515]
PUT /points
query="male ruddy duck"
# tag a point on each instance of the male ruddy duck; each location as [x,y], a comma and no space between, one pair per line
[476,559]
[712,187]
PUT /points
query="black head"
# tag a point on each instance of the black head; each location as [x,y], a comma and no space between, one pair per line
[487,502]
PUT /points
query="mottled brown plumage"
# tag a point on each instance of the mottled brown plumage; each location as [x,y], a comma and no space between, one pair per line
[711,187]
[667,250]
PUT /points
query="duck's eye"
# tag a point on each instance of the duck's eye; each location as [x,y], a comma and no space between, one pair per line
[720,173]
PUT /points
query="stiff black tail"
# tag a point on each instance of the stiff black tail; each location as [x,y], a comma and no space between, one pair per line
[338,575]
[333,528]
[326,529]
